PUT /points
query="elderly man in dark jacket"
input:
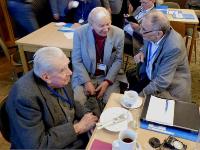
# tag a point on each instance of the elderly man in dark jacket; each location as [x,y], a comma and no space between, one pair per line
[41,110]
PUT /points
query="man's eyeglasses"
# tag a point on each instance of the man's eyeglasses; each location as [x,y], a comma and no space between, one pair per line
[143,31]
[148,31]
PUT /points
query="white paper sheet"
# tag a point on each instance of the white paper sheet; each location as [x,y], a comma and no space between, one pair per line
[69,35]
[159,112]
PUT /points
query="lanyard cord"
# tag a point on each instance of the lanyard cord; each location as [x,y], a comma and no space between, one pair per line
[67,99]
[149,54]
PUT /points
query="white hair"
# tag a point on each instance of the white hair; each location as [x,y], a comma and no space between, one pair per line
[45,59]
[98,13]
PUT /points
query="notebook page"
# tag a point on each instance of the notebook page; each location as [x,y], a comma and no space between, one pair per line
[159,112]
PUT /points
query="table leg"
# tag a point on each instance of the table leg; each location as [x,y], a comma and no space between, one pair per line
[192,42]
[23,58]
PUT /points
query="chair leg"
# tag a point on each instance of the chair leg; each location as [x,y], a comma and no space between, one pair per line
[195,50]
[186,42]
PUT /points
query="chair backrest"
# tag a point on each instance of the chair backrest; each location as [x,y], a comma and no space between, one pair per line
[171,4]
[179,27]
[4,123]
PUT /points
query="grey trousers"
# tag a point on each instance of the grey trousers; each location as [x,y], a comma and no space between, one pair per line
[79,91]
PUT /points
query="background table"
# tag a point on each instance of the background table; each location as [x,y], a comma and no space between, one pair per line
[191,22]
[45,36]
[143,135]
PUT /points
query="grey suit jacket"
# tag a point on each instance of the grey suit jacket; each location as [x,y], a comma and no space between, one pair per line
[170,74]
[84,54]
[36,117]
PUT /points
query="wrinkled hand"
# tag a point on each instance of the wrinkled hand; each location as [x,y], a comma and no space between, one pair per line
[72,4]
[56,16]
[135,26]
[87,122]
[101,89]
[139,57]
[90,89]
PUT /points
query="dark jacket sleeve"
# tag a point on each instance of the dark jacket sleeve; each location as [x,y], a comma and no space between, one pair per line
[29,131]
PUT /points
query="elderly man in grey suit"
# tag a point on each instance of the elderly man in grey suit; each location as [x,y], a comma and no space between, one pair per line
[41,110]
[164,71]
[97,57]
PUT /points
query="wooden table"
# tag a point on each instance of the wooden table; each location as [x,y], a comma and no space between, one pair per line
[143,135]
[192,22]
[45,36]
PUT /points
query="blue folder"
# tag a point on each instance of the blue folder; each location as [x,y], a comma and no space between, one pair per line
[185,134]
[66,28]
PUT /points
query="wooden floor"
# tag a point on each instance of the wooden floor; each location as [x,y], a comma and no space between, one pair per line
[6,81]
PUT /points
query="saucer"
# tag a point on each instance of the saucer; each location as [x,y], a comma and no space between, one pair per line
[115,145]
[130,105]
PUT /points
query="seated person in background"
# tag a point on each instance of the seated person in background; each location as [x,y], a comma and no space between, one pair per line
[97,57]
[79,10]
[132,35]
[41,109]
[164,69]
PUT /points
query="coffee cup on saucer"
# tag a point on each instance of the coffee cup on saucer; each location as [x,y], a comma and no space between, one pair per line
[126,140]
[129,99]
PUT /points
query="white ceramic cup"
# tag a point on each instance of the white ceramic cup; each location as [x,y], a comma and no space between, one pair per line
[130,97]
[126,141]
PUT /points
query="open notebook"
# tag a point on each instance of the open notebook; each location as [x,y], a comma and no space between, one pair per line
[178,114]
[161,111]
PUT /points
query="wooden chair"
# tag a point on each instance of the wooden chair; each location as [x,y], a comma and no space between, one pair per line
[4,122]
[16,66]
[189,33]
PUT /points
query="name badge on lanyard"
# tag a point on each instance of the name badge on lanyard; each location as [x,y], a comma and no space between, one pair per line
[102,67]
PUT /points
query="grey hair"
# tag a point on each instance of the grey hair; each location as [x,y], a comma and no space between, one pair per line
[159,21]
[45,59]
[98,13]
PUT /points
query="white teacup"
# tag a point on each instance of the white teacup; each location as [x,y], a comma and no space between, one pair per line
[127,140]
[130,98]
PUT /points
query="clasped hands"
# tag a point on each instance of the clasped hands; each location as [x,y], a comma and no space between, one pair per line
[99,91]
[87,122]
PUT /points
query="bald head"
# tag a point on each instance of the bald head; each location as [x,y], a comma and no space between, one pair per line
[158,20]
[98,14]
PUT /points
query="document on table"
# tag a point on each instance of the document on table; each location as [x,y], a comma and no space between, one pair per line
[161,111]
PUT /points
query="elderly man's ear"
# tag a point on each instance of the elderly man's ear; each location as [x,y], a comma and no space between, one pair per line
[160,34]
[45,77]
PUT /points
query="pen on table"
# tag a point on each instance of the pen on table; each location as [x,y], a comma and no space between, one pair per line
[166,105]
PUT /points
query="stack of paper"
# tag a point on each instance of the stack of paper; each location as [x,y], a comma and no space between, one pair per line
[161,111]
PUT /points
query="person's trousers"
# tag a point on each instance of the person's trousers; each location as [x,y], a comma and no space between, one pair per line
[81,96]
[23,15]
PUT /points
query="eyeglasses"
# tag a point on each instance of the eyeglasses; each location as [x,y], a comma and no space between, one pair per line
[149,31]
[143,31]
